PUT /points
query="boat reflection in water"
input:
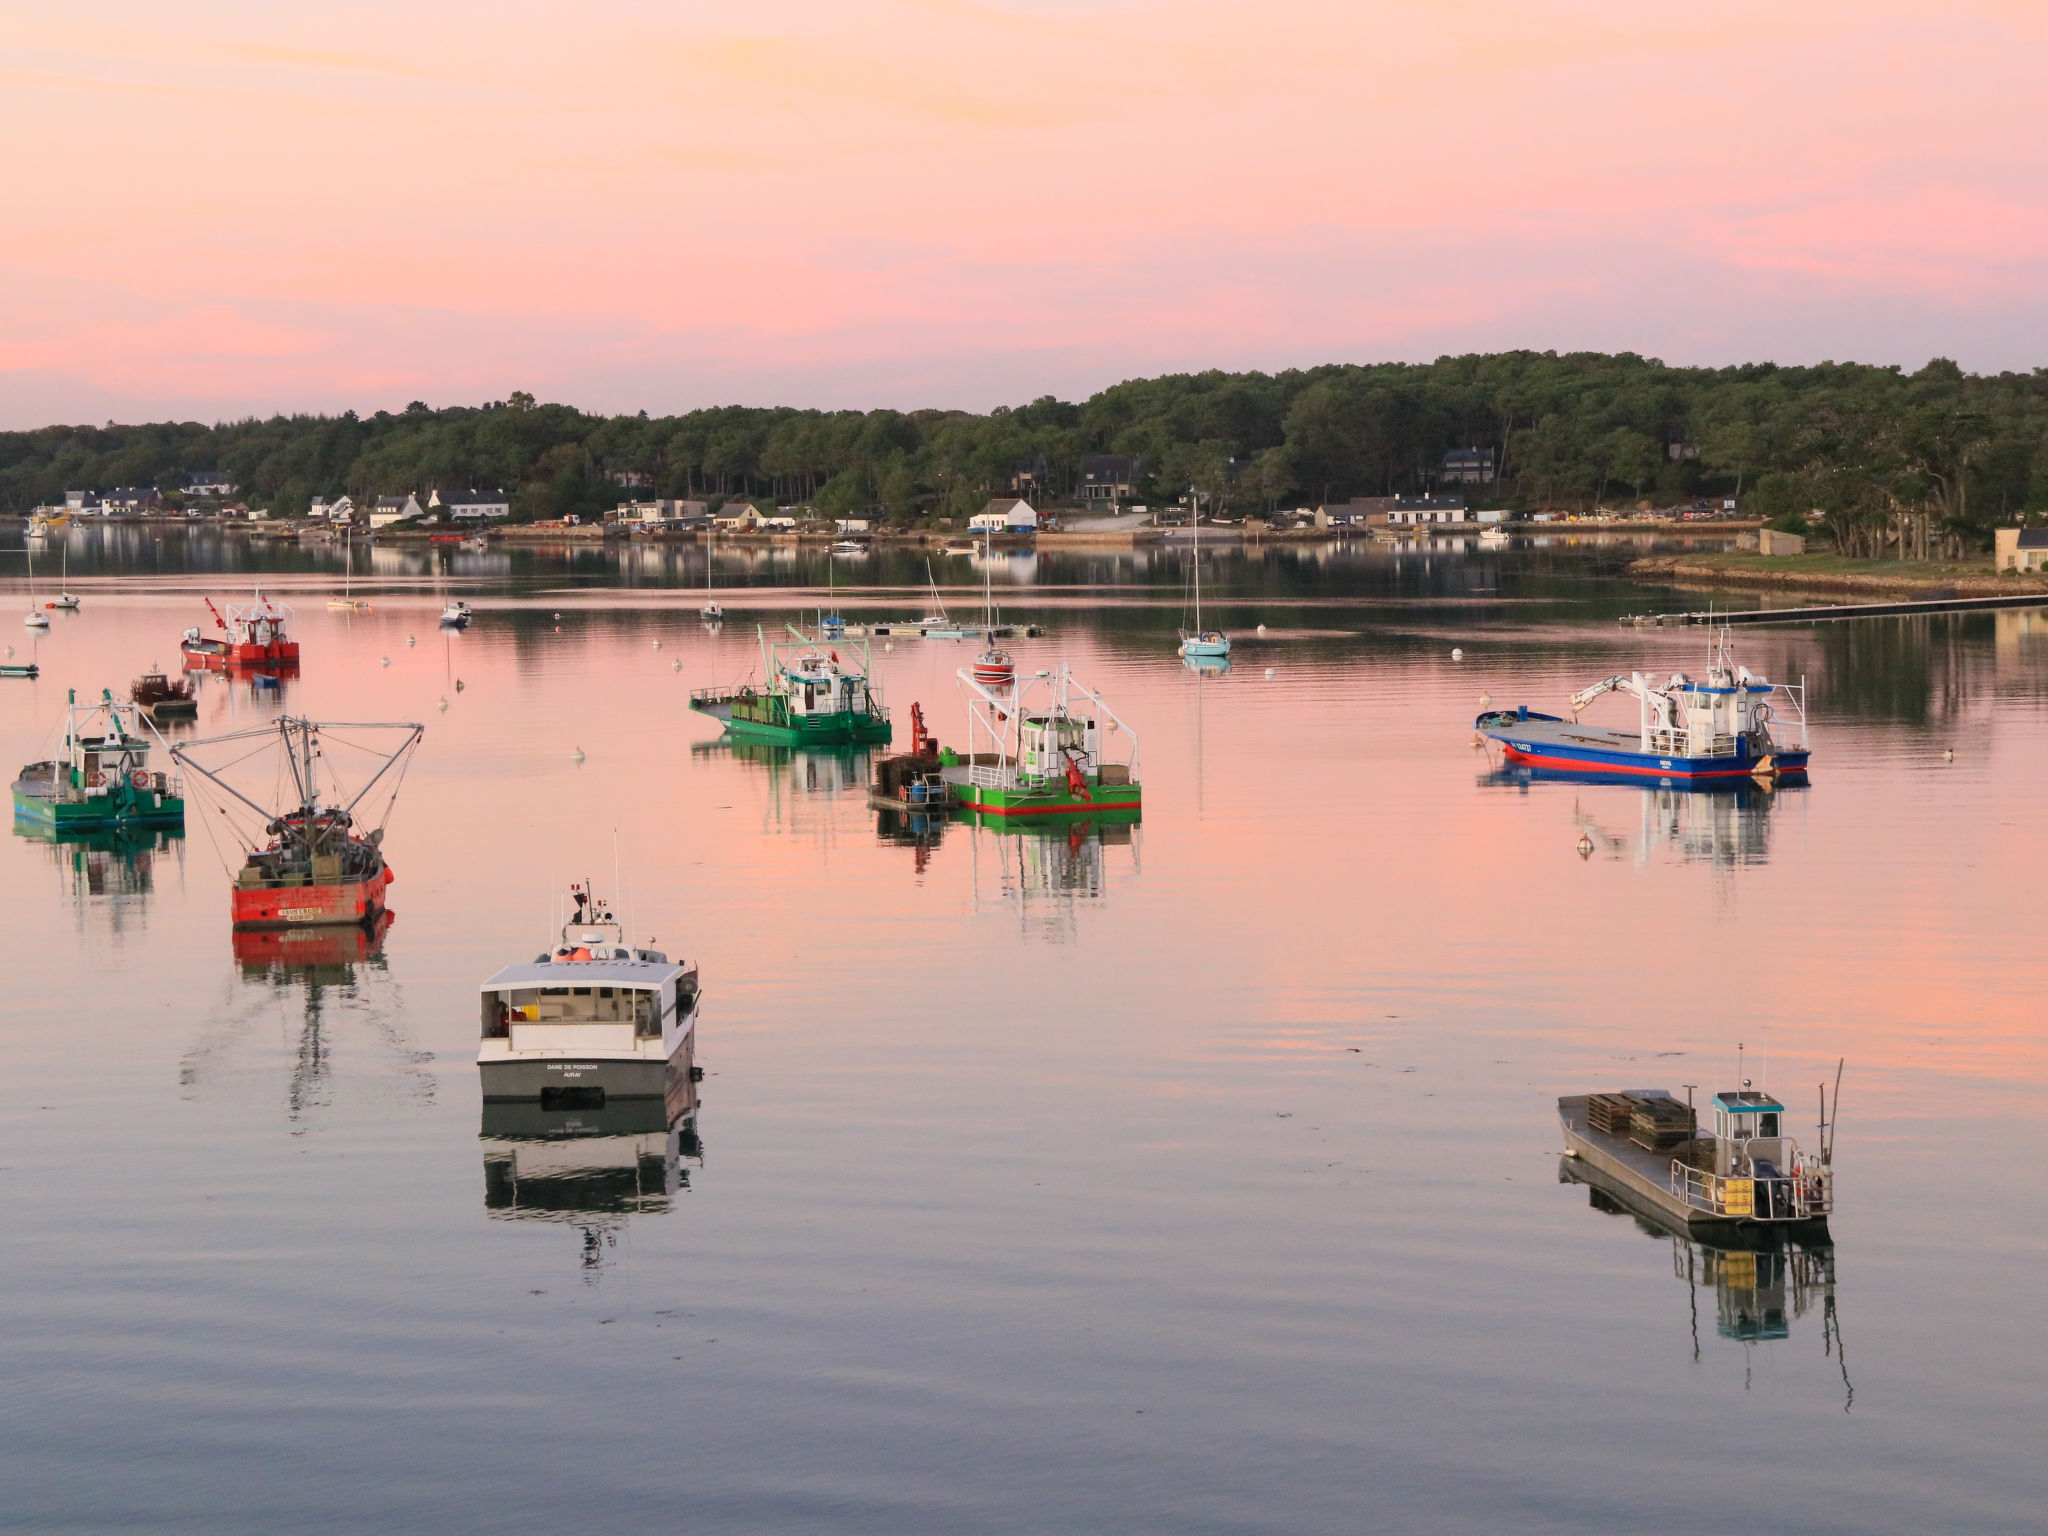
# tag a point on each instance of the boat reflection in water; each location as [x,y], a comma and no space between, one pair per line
[591,1169]
[316,956]
[109,871]
[907,827]
[1762,1281]
[1048,870]
[1727,826]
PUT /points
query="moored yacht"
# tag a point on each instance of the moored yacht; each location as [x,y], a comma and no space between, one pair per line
[593,1020]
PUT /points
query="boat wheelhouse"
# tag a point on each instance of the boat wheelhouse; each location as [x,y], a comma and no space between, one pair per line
[591,1021]
[1036,748]
[1721,727]
[310,864]
[256,635]
[812,696]
[103,782]
[1644,1146]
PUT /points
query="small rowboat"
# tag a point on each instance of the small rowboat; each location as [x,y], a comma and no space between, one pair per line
[29,669]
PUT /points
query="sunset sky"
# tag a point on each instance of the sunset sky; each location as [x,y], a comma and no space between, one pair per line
[222,207]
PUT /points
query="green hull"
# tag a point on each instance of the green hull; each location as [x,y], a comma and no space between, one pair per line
[104,815]
[767,719]
[1107,803]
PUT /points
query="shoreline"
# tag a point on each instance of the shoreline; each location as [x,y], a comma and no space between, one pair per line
[1829,573]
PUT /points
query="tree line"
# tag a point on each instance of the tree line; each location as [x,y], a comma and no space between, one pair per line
[1892,461]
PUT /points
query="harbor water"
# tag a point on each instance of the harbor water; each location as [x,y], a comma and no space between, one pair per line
[1202,1176]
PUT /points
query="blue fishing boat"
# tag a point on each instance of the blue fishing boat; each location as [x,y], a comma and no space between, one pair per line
[1723,727]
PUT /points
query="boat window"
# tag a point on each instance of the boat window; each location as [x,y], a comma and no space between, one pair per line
[604,991]
[1768,1125]
[579,991]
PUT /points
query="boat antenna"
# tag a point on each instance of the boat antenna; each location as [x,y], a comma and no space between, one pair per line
[1827,1149]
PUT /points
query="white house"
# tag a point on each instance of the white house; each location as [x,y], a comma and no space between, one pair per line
[395,509]
[652,514]
[472,506]
[339,510]
[130,498]
[752,520]
[846,525]
[1006,514]
[1425,511]
[209,482]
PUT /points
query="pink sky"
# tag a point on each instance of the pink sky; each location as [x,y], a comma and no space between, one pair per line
[224,207]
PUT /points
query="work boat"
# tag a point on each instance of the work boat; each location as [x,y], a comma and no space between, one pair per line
[811,697]
[308,864]
[1721,727]
[1644,1148]
[1033,752]
[257,635]
[103,782]
[594,1020]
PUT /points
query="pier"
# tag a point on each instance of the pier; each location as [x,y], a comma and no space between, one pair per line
[1827,611]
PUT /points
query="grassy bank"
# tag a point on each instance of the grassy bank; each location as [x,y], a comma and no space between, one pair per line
[1835,573]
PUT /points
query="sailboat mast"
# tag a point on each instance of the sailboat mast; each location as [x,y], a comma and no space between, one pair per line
[1195,510]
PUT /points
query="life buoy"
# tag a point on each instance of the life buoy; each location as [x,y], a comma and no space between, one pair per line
[98,780]
[139,778]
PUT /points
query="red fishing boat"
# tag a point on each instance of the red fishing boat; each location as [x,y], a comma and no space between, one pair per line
[316,862]
[255,636]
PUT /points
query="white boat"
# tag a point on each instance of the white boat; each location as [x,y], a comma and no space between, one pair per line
[710,613]
[35,618]
[592,1021]
[1494,536]
[937,624]
[348,601]
[1200,643]
[849,547]
[455,616]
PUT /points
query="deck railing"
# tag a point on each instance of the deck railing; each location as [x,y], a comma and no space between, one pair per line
[1806,1192]
[1678,743]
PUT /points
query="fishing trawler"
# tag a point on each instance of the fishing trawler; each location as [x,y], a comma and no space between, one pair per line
[1719,728]
[310,864]
[103,782]
[1032,753]
[1643,1146]
[593,1020]
[811,698]
[257,635]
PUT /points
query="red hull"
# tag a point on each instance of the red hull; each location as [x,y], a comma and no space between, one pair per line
[279,655]
[312,906]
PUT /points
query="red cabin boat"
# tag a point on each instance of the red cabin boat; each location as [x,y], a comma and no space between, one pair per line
[257,636]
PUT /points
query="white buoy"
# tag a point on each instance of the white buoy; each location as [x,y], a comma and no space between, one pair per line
[657,645]
[383,661]
[442,702]
[1949,756]
[676,665]
[409,640]
[1269,674]
[458,685]
[10,650]
[1585,846]
[576,756]
[1457,654]
[1486,701]
[1262,629]
[888,645]
[558,618]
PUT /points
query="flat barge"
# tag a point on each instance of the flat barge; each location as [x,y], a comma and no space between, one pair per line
[1642,1147]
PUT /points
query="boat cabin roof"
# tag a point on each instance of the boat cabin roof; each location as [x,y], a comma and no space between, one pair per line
[636,975]
[1745,1101]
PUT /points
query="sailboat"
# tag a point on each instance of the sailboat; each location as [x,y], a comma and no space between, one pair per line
[35,617]
[993,668]
[937,624]
[830,624]
[1201,642]
[348,601]
[64,599]
[710,613]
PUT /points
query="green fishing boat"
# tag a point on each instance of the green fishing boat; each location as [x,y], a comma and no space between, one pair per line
[1036,748]
[103,782]
[812,697]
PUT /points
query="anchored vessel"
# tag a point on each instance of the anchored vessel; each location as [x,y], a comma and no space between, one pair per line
[1643,1147]
[312,864]
[456,616]
[811,698]
[1199,644]
[1721,727]
[594,1020]
[256,635]
[103,782]
[1033,750]
[161,699]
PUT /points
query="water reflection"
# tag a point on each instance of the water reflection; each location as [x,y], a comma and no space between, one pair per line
[798,777]
[1726,827]
[1046,872]
[107,872]
[592,1169]
[918,830]
[1759,1289]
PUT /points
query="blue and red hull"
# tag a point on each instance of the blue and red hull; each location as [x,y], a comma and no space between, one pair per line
[1560,746]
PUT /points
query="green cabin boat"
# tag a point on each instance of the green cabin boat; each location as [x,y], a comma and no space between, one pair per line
[813,697]
[1036,748]
[103,783]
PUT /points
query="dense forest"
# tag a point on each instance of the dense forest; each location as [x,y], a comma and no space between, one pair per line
[1908,462]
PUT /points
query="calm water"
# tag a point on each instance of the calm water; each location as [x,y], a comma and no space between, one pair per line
[1205,1181]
